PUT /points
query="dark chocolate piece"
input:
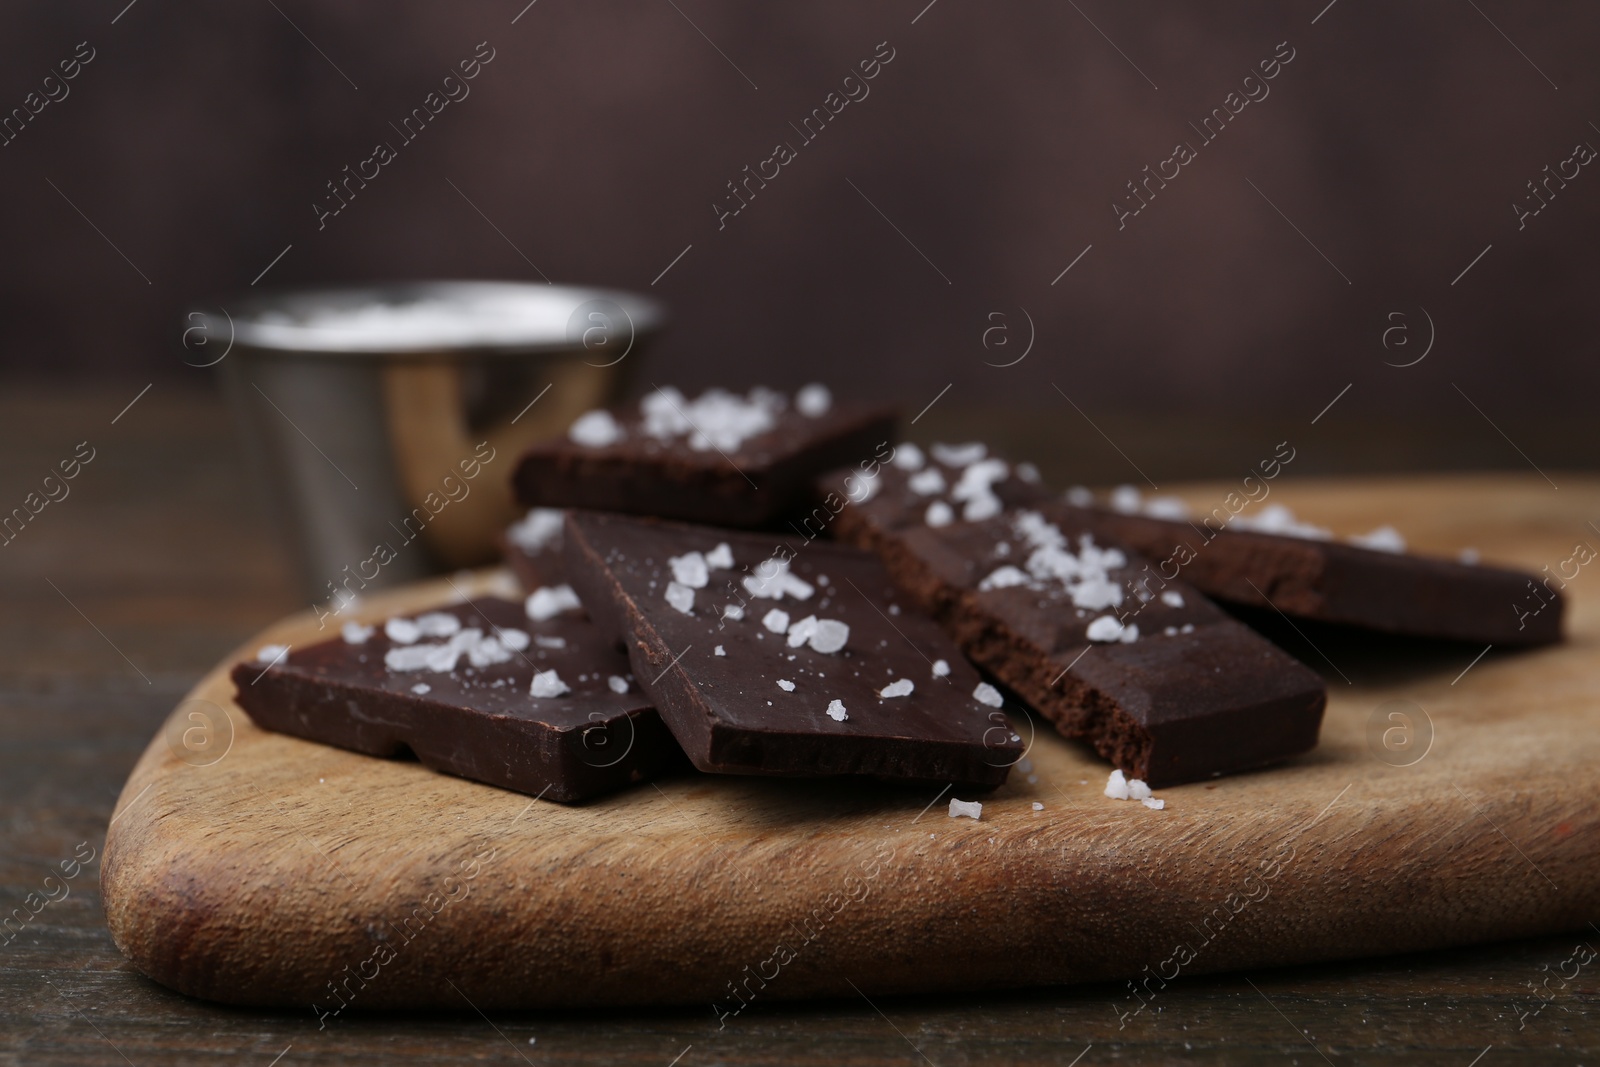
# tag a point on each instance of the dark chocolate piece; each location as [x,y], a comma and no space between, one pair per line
[1161,681]
[767,660]
[720,459]
[477,718]
[531,547]
[1315,577]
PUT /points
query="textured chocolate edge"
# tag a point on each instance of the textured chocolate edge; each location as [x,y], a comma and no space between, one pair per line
[554,474]
[563,770]
[1086,712]
[1419,596]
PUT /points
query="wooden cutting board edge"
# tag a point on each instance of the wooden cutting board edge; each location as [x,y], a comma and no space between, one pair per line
[722,891]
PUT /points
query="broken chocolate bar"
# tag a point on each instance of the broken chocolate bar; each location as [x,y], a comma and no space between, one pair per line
[721,459]
[544,706]
[767,660]
[1161,681]
[1272,561]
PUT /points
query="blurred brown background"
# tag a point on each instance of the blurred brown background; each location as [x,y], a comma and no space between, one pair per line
[984,161]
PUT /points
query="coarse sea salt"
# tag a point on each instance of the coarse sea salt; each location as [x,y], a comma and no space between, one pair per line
[422,689]
[681,597]
[786,685]
[719,651]
[617,683]
[437,624]
[595,429]
[271,653]
[899,688]
[813,401]
[941,669]
[970,809]
[926,482]
[939,514]
[959,455]
[1121,787]
[401,631]
[776,620]
[547,684]
[1172,598]
[356,634]
[772,581]
[988,695]
[548,601]
[1108,629]
[720,558]
[908,457]
[836,711]
[538,530]
[690,569]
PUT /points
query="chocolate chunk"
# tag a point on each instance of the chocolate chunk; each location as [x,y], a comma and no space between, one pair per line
[453,686]
[1162,682]
[531,547]
[721,458]
[769,659]
[1311,576]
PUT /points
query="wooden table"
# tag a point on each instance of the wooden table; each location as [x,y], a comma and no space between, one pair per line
[120,595]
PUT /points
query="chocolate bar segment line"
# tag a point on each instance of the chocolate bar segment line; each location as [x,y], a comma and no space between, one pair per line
[768,660]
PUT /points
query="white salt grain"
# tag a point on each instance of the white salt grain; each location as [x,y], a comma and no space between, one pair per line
[776,620]
[1152,803]
[1037,806]
[438,624]
[401,631]
[939,514]
[830,635]
[356,634]
[595,429]
[548,684]
[718,651]
[720,558]
[549,601]
[1105,628]
[926,482]
[271,653]
[836,711]
[617,683]
[786,685]
[971,809]
[516,640]
[941,669]
[1172,598]
[901,688]
[1117,786]
[681,597]
[422,689]
[813,401]
[988,695]
[538,530]
[690,569]
[908,457]
[800,630]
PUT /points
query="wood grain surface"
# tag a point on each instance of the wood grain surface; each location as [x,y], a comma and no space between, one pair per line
[285,873]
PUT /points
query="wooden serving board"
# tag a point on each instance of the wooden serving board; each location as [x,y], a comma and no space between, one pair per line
[274,871]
